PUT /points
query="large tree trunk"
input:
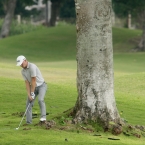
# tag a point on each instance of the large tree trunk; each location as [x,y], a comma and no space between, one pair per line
[95,82]
[10,7]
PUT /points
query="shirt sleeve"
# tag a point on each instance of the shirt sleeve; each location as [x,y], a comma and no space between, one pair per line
[33,71]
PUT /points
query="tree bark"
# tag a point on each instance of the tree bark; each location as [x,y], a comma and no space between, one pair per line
[10,7]
[95,82]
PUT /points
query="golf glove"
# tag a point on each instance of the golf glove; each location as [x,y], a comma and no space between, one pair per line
[32,95]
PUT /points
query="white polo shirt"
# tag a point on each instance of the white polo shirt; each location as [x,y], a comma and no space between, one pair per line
[32,71]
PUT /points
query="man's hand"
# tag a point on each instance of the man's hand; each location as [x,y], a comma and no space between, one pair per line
[32,96]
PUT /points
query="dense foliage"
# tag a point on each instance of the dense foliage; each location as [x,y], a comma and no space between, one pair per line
[20,7]
[123,7]
[68,9]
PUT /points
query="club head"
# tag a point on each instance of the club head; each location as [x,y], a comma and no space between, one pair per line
[17,128]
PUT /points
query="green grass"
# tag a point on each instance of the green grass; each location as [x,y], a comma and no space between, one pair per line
[22,28]
[50,44]
[124,40]
[54,51]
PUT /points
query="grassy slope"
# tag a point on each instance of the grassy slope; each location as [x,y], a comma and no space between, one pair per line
[54,51]
[124,39]
[52,44]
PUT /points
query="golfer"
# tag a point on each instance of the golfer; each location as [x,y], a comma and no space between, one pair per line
[35,86]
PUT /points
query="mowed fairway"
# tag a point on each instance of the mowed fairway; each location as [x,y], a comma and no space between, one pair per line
[54,52]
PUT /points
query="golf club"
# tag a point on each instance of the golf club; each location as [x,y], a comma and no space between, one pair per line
[23,116]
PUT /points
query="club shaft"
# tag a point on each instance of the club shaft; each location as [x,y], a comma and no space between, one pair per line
[24,115]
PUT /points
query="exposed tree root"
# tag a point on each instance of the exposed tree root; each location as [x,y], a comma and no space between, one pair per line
[46,124]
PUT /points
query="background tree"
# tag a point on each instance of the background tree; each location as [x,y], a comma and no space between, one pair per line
[20,8]
[2,13]
[67,9]
[9,9]
[55,9]
[137,10]
[123,7]
[9,6]
[95,83]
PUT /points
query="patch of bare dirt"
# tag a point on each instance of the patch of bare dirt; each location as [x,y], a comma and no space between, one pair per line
[46,124]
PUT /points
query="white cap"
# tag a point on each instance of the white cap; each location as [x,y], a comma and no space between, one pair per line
[20,60]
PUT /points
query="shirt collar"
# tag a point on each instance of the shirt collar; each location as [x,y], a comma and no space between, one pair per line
[28,65]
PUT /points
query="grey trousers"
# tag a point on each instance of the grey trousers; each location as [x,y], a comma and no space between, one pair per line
[40,91]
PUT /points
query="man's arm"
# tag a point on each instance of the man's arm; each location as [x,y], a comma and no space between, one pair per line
[33,84]
[28,90]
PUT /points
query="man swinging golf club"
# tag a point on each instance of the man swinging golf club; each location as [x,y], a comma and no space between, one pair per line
[35,86]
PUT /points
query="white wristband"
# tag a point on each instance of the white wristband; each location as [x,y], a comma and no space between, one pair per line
[32,94]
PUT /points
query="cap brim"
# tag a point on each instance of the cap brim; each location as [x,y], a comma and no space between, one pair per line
[19,63]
